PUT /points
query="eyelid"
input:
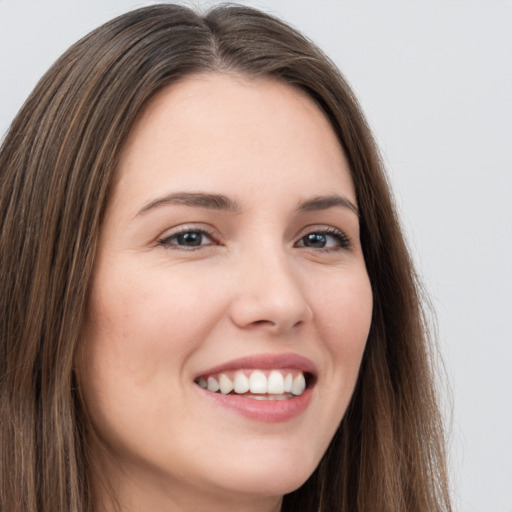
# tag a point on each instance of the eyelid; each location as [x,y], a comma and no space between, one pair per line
[164,240]
[344,239]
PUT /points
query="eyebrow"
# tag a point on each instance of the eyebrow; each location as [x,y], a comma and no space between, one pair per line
[194,199]
[224,203]
[326,202]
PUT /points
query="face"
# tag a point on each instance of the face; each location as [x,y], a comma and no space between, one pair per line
[229,258]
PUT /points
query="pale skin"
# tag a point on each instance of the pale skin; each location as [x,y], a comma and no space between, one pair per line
[185,280]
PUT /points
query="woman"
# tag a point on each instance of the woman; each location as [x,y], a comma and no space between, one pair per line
[208,303]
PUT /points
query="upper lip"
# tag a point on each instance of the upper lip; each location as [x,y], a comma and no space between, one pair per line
[264,362]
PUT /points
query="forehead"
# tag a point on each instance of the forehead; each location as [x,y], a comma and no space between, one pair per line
[216,130]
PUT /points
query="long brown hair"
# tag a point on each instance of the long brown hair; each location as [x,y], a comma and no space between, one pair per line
[56,166]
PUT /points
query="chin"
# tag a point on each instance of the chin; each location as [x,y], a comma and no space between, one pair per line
[271,483]
[272,475]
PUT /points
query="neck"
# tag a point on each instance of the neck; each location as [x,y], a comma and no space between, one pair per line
[122,492]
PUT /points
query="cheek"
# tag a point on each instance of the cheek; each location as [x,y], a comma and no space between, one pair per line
[156,311]
[139,333]
[346,305]
[344,313]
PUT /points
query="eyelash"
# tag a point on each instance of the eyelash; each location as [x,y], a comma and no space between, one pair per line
[166,241]
[343,242]
[342,239]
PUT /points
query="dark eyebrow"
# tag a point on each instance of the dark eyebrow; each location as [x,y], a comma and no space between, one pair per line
[194,199]
[326,202]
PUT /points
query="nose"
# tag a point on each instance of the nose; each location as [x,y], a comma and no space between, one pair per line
[269,295]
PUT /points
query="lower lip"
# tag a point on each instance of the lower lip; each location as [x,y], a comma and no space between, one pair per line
[268,411]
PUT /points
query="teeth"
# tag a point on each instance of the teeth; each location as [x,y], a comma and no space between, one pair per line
[299,384]
[277,386]
[258,382]
[225,384]
[275,383]
[270,397]
[241,385]
[212,384]
[288,381]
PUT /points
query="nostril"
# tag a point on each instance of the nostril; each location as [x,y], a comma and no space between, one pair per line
[263,322]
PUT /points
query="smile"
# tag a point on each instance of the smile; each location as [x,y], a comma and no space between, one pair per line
[258,384]
[267,388]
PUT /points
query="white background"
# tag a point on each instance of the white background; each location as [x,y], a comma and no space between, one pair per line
[435,80]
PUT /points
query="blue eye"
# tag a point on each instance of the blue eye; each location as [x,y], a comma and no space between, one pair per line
[189,239]
[331,239]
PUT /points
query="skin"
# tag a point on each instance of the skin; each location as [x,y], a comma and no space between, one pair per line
[161,313]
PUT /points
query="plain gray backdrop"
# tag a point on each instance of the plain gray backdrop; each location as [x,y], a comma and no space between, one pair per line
[435,80]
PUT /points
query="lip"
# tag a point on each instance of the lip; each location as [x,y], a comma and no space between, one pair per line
[264,362]
[267,411]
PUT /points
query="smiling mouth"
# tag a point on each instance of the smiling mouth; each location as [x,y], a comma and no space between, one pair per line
[277,384]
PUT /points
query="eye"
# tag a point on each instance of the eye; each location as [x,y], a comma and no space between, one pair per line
[325,239]
[188,239]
